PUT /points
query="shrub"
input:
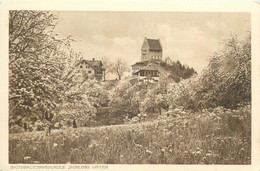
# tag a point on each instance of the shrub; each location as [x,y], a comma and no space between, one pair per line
[225,82]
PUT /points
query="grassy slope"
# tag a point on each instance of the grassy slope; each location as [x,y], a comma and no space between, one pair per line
[202,138]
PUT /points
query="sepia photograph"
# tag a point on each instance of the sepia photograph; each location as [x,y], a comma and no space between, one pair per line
[111,87]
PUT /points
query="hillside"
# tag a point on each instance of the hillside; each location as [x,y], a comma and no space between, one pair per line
[188,139]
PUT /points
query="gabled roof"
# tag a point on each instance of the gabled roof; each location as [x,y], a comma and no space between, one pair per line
[157,61]
[155,67]
[142,63]
[150,67]
[93,63]
[154,44]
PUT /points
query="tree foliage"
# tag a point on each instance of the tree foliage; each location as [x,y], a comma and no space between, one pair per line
[225,82]
[42,77]
[120,67]
[107,66]
[32,47]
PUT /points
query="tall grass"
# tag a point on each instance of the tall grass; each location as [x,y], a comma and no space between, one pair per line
[216,136]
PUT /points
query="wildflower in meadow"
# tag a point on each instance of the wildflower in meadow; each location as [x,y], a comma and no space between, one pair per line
[198,153]
[208,155]
[165,130]
[168,132]
[204,159]
[27,158]
[55,145]
[148,151]
[138,145]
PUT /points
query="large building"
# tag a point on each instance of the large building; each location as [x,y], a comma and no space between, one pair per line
[151,59]
[91,68]
[151,49]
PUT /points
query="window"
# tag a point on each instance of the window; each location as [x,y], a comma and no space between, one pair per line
[86,66]
[89,72]
[80,66]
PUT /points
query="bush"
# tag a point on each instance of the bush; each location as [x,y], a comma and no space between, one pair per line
[225,82]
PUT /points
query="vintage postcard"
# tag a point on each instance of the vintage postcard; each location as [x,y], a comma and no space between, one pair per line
[148,85]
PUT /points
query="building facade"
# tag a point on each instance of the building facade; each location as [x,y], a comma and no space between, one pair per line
[151,60]
[91,68]
[139,65]
[151,49]
[149,71]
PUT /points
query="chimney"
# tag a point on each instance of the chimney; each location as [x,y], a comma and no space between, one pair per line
[93,59]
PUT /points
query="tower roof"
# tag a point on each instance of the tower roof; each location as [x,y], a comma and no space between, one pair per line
[154,44]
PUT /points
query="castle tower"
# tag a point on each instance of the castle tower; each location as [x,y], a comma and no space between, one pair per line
[151,49]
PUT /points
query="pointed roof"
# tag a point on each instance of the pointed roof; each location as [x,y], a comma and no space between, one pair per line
[150,67]
[95,64]
[154,44]
[142,63]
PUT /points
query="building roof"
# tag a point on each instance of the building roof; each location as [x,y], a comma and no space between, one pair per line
[154,44]
[142,63]
[95,64]
[150,68]
[157,61]
[154,67]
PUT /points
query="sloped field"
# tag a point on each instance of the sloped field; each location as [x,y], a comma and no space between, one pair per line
[218,136]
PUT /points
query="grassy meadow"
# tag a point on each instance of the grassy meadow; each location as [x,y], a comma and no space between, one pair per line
[216,136]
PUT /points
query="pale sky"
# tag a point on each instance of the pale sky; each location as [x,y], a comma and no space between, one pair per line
[188,37]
